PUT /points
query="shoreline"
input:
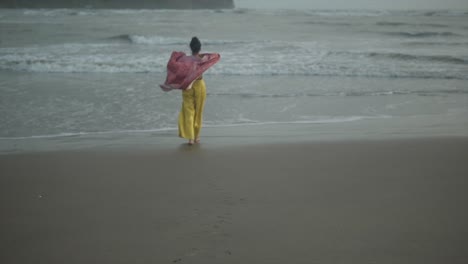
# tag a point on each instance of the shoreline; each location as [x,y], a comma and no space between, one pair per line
[244,135]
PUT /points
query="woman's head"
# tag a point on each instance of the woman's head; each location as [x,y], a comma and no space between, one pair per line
[195,45]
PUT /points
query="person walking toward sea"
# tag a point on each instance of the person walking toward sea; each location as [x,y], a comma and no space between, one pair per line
[193,104]
[186,73]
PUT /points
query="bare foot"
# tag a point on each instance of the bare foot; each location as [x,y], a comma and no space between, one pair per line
[197,140]
[190,142]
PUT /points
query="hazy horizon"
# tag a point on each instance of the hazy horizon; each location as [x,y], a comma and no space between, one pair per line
[353,4]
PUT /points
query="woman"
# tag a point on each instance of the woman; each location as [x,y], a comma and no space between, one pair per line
[191,114]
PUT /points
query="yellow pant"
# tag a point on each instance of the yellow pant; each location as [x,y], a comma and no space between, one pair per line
[191,114]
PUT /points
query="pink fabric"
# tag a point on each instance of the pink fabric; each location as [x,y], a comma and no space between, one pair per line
[183,70]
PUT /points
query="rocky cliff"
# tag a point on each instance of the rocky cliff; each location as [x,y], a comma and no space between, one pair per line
[130,4]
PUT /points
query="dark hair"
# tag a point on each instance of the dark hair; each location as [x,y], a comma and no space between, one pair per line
[195,45]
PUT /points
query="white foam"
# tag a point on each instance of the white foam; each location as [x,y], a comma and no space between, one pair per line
[77,134]
[341,13]
[160,40]
[67,58]
[240,122]
[54,12]
[246,58]
[241,11]
[128,11]
[146,11]
[309,120]
[48,12]
[138,39]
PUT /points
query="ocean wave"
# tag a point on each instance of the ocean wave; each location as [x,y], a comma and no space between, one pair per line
[153,40]
[241,11]
[395,24]
[149,64]
[81,64]
[435,43]
[60,12]
[444,13]
[426,34]
[441,13]
[376,13]
[256,58]
[398,24]
[53,12]
[424,58]
[347,93]
[446,59]
[159,40]
[45,12]
[346,13]
[328,23]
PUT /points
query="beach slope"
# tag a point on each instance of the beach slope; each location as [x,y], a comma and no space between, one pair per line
[383,201]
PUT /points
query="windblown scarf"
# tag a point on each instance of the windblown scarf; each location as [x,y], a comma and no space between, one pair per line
[183,70]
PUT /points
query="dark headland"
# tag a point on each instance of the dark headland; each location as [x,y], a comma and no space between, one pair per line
[135,4]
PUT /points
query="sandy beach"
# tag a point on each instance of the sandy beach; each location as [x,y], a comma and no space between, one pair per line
[330,136]
[354,201]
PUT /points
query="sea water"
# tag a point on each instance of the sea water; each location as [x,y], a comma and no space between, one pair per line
[84,72]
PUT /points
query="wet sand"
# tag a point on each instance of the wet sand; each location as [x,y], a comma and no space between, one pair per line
[380,201]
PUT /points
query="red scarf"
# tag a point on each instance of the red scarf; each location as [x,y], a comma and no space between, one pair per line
[183,70]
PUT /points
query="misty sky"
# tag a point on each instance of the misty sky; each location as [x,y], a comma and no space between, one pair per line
[354,4]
